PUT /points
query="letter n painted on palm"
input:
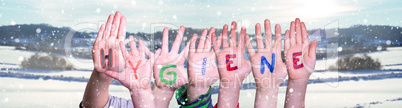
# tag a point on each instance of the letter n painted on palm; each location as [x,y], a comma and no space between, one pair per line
[228,62]
[295,60]
[265,61]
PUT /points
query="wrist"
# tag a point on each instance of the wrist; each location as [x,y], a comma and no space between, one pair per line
[229,85]
[193,92]
[143,98]
[141,92]
[298,81]
[101,77]
[162,91]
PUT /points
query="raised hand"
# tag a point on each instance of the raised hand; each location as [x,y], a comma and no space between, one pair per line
[202,69]
[97,90]
[231,60]
[169,71]
[106,53]
[137,73]
[232,65]
[269,70]
[300,61]
[300,56]
[169,67]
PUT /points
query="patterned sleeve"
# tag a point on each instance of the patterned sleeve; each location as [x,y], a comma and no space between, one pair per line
[204,101]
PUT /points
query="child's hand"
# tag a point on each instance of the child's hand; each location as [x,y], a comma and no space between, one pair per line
[300,56]
[137,72]
[300,61]
[169,69]
[106,53]
[202,69]
[269,71]
[233,67]
[268,68]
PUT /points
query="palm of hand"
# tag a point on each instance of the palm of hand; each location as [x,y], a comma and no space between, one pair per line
[106,52]
[177,76]
[307,62]
[137,72]
[300,56]
[200,75]
[243,67]
[263,73]
[277,76]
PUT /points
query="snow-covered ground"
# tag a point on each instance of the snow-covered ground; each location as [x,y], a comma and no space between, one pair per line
[17,92]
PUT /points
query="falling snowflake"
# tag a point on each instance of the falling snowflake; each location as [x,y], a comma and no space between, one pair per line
[174,17]
[12,22]
[98,10]
[133,2]
[38,30]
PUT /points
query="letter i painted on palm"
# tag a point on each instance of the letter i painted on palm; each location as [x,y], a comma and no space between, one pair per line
[264,61]
[204,63]
[228,62]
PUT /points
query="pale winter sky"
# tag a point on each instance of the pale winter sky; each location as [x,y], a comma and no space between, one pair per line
[202,14]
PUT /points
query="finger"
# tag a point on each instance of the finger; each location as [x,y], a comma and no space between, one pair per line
[200,46]
[165,41]
[304,33]
[96,54]
[312,49]
[225,42]
[157,53]
[145,49]
[177,41]
[241,38]
[250,48]
[287,40]
[108,26]
[258,37]
[233,35]
[292,34]
[268,34]
[193,40]
[209,40]
[112,74]
[278,41]
[156,56]
[123,50]
[216,42]
[298,32]
[122,29]
[133,46]
[116,25]
[100,33]
[142,51]
[184,53]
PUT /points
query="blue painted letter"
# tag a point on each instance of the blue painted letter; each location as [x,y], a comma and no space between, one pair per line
[264,61]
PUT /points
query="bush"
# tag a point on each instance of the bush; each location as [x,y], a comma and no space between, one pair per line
[37,61]
[363,62]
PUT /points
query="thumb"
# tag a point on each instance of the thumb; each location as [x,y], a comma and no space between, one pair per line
[113,74]
[312,49]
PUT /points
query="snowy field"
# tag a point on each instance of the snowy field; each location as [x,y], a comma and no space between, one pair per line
[17,92]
